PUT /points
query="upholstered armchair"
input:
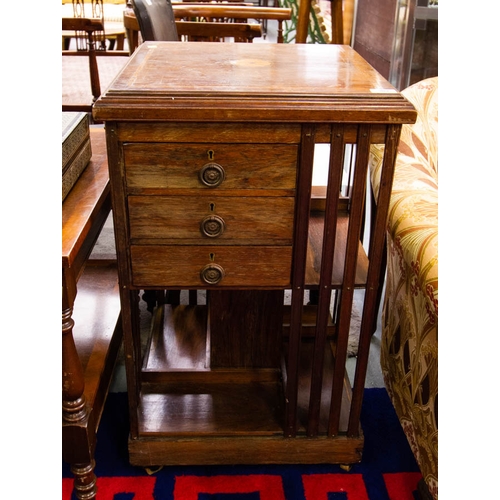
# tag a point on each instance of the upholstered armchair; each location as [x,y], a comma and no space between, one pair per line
[409,352]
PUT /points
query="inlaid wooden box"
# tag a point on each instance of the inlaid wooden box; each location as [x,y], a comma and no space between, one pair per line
[76,148]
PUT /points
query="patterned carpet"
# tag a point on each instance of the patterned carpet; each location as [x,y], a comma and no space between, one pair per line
[387,471]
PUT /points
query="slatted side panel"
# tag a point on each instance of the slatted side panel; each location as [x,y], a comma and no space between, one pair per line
[347,176]
[376,258]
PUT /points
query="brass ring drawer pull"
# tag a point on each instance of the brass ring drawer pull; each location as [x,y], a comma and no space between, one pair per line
[212,226]
[212,174]
[212,274]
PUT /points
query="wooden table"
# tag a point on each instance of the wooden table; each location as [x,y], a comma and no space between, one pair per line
[91,332]
[211,158]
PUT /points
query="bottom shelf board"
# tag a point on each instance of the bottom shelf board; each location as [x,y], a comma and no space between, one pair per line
[202,407]
[245,450]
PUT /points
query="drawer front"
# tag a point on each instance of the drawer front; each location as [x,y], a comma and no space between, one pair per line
[204,219]
[205,166]
[214,266]
[221,132]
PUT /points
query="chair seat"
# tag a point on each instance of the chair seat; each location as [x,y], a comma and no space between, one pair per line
[76,89]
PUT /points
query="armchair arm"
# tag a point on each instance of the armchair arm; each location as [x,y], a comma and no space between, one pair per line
[413,212]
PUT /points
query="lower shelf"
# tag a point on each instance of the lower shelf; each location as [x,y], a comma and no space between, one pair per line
[196,415]
[216,404]
[147,451]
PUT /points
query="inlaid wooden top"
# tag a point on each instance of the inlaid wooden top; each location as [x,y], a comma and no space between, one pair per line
[266,82]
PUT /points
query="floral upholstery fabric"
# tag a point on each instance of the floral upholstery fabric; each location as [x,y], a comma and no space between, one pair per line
[409,352]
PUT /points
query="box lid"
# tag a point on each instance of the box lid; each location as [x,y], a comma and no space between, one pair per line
[175,81]
[71,120]
[75,133]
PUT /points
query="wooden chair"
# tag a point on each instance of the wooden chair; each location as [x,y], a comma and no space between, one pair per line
[214,22]
[94,67]
[195,31]
[156,20]
[109,11]
[232,13]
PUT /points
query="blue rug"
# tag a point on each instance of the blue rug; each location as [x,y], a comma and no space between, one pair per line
[388,470]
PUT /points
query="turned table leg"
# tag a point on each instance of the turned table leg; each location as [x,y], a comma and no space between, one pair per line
[78,439]
[85,480]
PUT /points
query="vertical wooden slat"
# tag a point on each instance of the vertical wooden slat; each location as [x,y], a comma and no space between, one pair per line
[337,21]
[303,21]
[136,336]
[95,84]
[383,264]
[347,290]
[337,147]
[376,256]
[302,208]
[132,361]
[193,297]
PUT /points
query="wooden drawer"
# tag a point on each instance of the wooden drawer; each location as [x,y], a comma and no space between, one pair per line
[204,219]
[178,166]
[243,266]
